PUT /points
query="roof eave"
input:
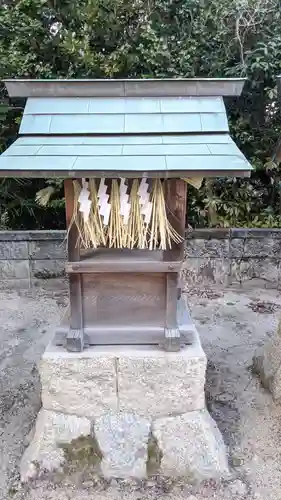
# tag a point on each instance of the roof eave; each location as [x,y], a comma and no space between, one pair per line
[127,174]
[126,88]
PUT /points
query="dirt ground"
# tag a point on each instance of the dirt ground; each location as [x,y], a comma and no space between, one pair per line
[232,324]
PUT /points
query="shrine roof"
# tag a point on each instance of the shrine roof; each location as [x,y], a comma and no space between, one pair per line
[166,128]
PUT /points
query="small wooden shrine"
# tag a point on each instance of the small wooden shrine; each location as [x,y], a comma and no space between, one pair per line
[127,150]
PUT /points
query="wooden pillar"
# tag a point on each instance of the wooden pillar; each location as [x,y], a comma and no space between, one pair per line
[75,336]
[176,207]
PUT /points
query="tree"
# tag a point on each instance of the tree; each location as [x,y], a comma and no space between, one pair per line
[162,38]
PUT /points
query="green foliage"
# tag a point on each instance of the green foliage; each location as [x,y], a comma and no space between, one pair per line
[153,38]
[19,210]
[235,203]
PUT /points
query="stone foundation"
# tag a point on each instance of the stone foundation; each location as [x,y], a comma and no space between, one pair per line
[137,411]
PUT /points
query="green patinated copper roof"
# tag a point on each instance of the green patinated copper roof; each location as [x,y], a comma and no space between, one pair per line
[110,135]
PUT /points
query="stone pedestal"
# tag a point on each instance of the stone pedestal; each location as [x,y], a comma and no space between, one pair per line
[136,411]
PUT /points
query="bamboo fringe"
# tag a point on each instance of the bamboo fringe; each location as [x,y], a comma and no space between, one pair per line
[136,230]
[158,234]
[116,228]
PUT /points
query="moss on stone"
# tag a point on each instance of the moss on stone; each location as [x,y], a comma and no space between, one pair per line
[154,456]
[45,274]
[12,491]
[84,451]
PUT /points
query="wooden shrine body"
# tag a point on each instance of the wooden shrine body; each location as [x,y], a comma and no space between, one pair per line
[126,296]
[168,129]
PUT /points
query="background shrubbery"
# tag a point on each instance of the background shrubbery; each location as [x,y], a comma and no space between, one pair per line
[152,38]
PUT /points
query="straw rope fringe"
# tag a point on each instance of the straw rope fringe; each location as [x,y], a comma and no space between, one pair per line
[136,231]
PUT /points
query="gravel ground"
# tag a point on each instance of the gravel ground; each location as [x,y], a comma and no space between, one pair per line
[232,324]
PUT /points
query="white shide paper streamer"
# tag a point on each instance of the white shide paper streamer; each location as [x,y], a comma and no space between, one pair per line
[146,205]
[104,206]
[84,202]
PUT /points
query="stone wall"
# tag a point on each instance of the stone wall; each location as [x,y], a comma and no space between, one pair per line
[226,257]
[233,257]
[31,258]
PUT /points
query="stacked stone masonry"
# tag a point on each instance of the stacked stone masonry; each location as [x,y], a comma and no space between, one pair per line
[225,257]
[138,412]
